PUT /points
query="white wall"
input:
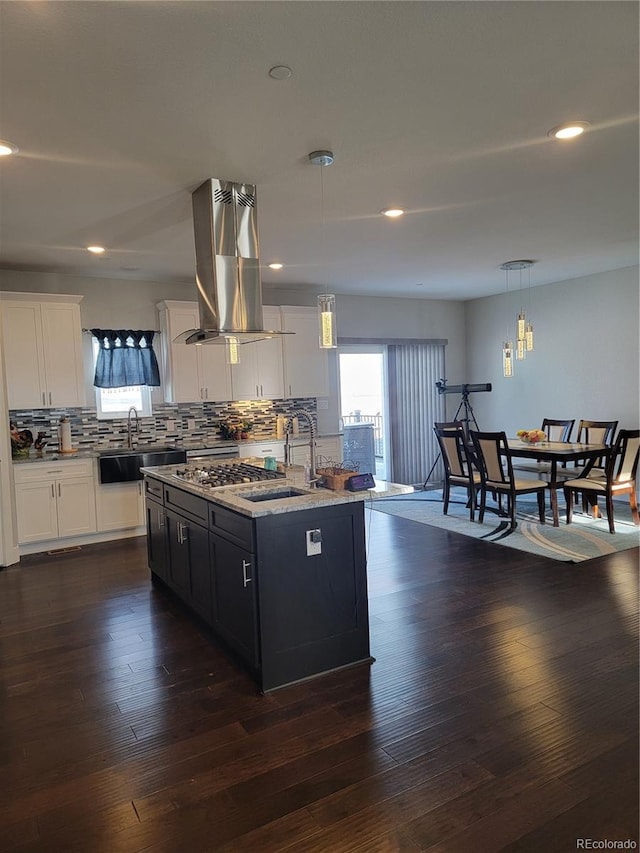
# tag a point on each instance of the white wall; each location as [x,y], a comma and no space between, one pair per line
[586,358]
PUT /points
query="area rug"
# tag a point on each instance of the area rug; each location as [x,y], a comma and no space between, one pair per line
[583,539]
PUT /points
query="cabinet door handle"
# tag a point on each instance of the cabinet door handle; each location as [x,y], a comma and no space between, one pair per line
[257,392]
[245,578]
[44,399]
[53,491]
[289,390]
[59,491]
[206,393]
[50,400]
[160,518]
[261,390]
[183,531]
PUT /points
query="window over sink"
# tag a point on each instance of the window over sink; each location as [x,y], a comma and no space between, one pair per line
[114,403]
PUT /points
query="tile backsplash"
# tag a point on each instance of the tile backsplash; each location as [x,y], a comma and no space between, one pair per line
[188,424]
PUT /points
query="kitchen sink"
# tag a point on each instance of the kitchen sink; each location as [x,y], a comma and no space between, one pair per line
[123,465]
[281,494]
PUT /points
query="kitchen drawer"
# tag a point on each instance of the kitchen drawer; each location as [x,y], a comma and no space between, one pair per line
[154,489]
[231,525]
[184,502]
[33,472]
[262,449]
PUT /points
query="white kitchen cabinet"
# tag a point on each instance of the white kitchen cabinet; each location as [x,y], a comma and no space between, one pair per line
[192,373]
[119,506]
[262,449]
[327,449]
[42,342]
[54,501]
[259,375]
[306,366]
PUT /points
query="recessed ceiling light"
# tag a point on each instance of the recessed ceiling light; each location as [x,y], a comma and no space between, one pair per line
[275,266]
[280,72]
[568,130]
[95,250]
[7,148]
[392,212]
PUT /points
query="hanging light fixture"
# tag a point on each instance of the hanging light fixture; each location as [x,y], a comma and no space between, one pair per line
[233,350]
[524,328]
[528,332]
[507,346]
[326,301]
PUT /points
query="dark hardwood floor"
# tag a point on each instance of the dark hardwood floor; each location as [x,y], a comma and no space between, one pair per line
[500,714]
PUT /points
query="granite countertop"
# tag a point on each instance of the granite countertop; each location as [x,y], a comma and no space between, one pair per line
[236,497]
[55,455]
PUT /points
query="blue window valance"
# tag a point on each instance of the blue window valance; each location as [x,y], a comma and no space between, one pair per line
[125,358]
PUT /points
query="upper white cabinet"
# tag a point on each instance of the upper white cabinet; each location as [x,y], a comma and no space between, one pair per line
[306,366]
[259,375]
[191,373]
[42,340]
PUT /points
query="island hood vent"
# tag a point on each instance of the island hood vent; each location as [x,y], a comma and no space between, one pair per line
[225,220]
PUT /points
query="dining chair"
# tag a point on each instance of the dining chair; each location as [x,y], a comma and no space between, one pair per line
[592,432]
[619,478]
[497,476]
[458,467]
[555,430]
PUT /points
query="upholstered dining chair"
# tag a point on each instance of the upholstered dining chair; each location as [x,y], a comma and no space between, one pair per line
[619,478]
[458,468]
[556,430]
[592,432]
[497,476]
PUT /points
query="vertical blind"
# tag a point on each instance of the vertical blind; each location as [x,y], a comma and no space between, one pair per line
[414,405]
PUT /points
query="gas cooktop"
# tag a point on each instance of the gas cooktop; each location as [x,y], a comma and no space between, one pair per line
[225,474]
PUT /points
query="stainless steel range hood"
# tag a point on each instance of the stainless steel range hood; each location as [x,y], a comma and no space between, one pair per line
[225,220]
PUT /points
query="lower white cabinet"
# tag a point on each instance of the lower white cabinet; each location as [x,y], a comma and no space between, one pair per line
[119,506]
[262,449]
[327,450]
[54,501]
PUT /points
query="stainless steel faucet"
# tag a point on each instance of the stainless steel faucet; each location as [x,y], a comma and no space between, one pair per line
[300,413]
[135,412]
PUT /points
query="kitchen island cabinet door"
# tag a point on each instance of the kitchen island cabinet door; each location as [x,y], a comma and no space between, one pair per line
[189,568]
[157,539]
[234,598]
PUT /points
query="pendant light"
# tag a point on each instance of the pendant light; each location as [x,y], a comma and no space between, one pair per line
[528,333]
[326,301]
[507,346]
[233,350]
[524,328]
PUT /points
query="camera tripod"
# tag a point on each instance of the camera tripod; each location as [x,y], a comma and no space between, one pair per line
[468,419]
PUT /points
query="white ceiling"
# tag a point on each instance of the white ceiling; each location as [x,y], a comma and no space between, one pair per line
[121,109]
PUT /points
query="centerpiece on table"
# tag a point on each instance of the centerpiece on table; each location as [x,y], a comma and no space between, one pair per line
[531,436]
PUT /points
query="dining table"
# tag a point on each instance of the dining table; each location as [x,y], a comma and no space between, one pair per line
[557,453]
